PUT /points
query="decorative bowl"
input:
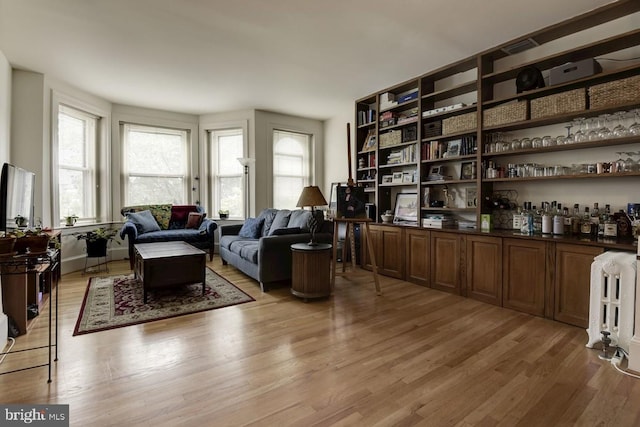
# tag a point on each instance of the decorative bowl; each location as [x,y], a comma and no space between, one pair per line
[386,217]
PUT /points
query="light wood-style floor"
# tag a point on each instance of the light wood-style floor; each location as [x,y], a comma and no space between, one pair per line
[413,356]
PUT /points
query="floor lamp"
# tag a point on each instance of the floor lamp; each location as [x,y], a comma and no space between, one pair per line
[246,161]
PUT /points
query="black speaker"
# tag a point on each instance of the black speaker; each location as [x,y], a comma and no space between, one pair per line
[529,78]
[370,210]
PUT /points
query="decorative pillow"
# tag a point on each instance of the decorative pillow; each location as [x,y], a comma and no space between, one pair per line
[300,218]
[180,213]
[285,231]
[269,214]
[280,221]
[252,228]
[144,221]
[161,213]
[194,220]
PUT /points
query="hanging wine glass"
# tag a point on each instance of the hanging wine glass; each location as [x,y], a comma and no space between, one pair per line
[580,134]
[620,130]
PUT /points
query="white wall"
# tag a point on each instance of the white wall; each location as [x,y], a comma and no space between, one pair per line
[336,164]
[5,109]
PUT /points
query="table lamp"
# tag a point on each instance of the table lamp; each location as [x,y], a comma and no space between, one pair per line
[312,196]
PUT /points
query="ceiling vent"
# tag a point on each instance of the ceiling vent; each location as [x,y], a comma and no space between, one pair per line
[520,46]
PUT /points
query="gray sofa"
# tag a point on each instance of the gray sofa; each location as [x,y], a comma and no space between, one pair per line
[266,256]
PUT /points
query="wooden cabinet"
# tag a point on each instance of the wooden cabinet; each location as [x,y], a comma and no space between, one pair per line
[572,283]
[418,255]
[388,246]
[484,269]
[445,262]
[524,275]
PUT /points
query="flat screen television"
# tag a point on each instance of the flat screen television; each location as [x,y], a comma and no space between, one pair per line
[17,188]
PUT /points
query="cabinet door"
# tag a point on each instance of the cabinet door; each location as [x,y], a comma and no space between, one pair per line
[484,269]
[417,250]
[445,262]
[573,282]
[523,274]
[388,247]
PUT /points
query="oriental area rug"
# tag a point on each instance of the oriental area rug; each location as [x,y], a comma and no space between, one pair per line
[116,301]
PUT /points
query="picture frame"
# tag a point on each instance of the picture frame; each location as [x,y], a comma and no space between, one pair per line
[350,202]
[407,177]
[467,170]
[471,197]
[436,170]
[370,142]
[406,208]
[333,198]
[453,148]
[387,179]
[397,177]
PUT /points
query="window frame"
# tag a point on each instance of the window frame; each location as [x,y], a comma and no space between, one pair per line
[214,175]
[308,176]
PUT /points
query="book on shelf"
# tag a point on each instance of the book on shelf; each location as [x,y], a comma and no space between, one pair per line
[438,221]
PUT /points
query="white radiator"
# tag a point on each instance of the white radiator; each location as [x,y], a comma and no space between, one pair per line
[612,298]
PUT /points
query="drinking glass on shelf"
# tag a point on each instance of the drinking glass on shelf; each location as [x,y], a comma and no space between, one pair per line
[581,133]
[547,141]
[620,130]
[618,165]
[634,128]
[536,142]
[561,140]
[629,163]
[593,129]
[515,144]
[604,131]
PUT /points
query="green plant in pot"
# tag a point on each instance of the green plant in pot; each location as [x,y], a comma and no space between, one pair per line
[21,221]
[224,213]
[30,241]
[97,240]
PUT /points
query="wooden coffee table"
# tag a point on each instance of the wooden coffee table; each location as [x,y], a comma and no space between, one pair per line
[168,264]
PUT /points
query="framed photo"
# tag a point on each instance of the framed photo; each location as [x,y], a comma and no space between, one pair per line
[387,179]
[467,170]
[436,170]
[471,197]
[453,148]
[370,142]
[407,177]
[397,177]
[406,209]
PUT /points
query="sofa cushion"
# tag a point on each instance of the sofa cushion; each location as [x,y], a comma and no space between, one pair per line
[285,231]
[180,213]
[300,218]
[280,221]
[247,249]
[269,215]
[144,221]
[194,220]
[252,228]
[161,213]
[184,235]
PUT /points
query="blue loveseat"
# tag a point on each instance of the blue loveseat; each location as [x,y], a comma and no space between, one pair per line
[168,223]
[266,256]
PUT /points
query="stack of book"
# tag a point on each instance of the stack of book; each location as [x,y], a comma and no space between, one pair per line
[438,221]
[388,118]
[406,155]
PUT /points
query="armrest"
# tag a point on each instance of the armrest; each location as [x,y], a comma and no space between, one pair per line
[230,230]
[129,229]
[208,226]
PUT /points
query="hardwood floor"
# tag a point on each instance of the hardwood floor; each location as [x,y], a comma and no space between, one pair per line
[413,356]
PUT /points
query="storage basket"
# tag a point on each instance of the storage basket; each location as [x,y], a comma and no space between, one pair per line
[388,139]
[460,123]
[559,103]
[505,113]
[618,92]
[432,129]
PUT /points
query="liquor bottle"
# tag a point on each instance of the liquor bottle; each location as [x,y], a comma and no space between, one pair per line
[517,219]
[610,227]
[558,221]
[603,217]
[576,219]
[585,223]
[537,220]
[595,220]
[547,219]
[526,219]
[568,221]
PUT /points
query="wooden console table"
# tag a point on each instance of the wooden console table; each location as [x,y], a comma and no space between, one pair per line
[350,240]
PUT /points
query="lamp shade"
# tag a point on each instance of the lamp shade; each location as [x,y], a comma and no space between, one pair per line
[311,196]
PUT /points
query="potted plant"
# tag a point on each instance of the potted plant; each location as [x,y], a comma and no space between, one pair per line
[21,221]
[70,220]
[30,241]
[224,213]
[97,240]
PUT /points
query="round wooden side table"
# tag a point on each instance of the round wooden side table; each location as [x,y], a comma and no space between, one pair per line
[311,270]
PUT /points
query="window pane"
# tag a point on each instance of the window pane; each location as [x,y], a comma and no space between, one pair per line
[71,141]
[288,165]
[291,167]
[154,190]
[155,153]
[229,150]
[289,194]
[231,197]
[71,200]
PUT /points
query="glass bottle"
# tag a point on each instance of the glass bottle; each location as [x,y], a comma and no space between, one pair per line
[576,220]
[610,229]
[526,219]
[558,221]
[517,219]
[568,221]
[595,220]
[547,219]
[537,220]
[585,223]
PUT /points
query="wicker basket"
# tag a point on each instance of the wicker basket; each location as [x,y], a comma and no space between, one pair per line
[559,103]
[460,123]
[505,113]
[388,139]
[432,129]
[619,92]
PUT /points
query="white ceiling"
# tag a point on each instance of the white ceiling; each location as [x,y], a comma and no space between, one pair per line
[301,57]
